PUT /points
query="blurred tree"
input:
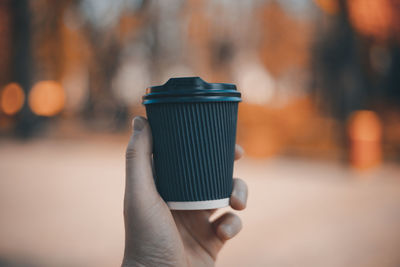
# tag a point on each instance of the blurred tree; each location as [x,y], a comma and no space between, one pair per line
[338,66]
[22,65]
[6,22]
[47,38]
[108,29]
[356,61]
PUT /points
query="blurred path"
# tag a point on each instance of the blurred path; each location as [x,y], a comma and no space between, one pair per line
[61,205]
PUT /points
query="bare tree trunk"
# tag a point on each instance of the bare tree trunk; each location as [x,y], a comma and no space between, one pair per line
[22,63]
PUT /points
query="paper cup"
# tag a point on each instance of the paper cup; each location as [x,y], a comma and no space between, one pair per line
[193,125]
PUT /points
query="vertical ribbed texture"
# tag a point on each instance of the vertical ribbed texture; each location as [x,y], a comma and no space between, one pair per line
[194,147]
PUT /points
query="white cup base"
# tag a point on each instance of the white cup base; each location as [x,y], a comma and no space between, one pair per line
[198,205]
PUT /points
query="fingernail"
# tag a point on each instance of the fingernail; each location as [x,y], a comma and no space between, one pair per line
[138,124]
[238,199]
[227,230]
[240,194]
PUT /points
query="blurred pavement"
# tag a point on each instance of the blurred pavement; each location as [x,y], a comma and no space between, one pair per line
[61,205]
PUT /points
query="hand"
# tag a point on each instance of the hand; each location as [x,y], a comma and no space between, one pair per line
[157,236]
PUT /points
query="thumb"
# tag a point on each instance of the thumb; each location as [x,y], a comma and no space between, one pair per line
[140,188]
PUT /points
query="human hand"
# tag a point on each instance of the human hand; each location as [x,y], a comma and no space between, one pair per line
[158,236]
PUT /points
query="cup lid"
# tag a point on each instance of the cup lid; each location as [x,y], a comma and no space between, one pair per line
[191,89]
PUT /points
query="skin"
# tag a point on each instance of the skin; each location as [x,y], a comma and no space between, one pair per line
[157,236]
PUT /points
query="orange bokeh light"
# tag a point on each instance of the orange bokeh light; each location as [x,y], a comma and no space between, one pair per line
[12,98]
[365,134]
[47,98]
[371,17]
[365,125]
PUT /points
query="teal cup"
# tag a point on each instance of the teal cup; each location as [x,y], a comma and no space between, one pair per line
[193,125]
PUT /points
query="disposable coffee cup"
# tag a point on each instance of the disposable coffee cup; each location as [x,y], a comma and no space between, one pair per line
[194,130]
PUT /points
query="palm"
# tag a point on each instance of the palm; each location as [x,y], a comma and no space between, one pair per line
[198,236]
[183,236]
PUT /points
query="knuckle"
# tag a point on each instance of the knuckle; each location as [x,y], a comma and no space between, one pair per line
[131,152]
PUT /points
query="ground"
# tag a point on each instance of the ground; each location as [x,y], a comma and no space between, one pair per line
[61,205]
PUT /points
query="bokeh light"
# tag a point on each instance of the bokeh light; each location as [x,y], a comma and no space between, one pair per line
[47,98]
[365,125]
[365,134]
[12,98]
[371,17]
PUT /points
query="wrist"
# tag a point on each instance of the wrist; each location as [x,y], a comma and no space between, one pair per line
[133,262]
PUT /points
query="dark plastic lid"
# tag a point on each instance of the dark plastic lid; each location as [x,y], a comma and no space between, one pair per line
[191,89]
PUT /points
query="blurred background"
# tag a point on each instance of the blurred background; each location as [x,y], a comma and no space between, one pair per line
[320,122]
